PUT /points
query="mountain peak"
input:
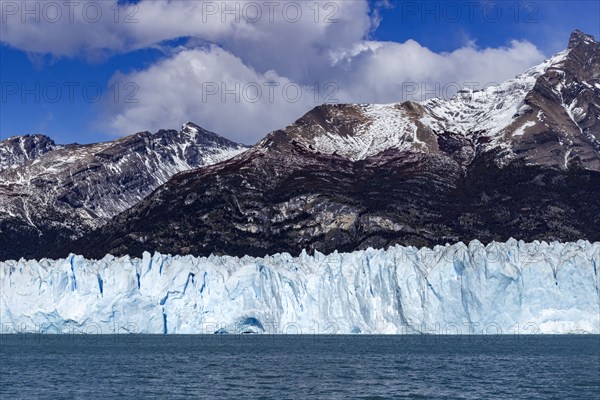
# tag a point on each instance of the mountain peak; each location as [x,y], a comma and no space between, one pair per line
[17,150]
[578,37]
[36,138]
[190,127]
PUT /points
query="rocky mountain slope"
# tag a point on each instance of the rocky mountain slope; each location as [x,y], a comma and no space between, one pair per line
[521,159]
[51,195]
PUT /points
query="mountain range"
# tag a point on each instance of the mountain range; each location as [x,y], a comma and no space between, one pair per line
[52,194]
[521,159]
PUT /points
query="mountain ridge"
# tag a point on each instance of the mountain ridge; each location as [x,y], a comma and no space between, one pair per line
[52,194]
[521,159]
[347,177]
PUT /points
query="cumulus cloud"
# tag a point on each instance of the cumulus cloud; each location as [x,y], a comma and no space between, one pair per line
[385,72]
[266,34]
[247,68]
[215,89]
[74,28]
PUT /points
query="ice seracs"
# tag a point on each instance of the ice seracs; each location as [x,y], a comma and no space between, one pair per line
[507,288]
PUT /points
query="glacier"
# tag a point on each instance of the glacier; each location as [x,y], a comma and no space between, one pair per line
[499,288]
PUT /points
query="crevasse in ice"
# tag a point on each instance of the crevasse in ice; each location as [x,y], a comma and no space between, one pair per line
[511,287]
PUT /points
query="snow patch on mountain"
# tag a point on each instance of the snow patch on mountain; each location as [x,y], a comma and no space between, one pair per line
[488,111]
[521,130]
[18,150]
[387,126]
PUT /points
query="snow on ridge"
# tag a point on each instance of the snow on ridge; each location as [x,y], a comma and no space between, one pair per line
[158,164]
[511,287]
[521,130]
[14,151]
[485,112]
[492,109]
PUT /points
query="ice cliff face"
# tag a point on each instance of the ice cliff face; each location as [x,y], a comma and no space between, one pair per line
[507,288]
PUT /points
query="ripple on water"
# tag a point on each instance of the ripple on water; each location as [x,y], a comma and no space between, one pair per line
[377,367]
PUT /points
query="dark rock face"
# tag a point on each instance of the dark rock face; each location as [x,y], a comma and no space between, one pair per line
[521,160]
[51,195]
[419,201]
[565,107]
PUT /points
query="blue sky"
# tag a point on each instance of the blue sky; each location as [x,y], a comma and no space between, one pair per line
[158,70]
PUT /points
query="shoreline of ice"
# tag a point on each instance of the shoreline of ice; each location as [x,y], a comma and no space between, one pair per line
[501,288]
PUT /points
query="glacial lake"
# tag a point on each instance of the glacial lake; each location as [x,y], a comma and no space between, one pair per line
[299,367]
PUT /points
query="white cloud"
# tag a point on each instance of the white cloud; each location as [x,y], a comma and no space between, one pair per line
[74,28]
[326,46]
[382,72]
[191,85]
[213,88]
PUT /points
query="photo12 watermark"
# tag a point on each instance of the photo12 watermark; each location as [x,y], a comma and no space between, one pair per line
[207,12]
[427,12]
[54,12]
[55,331]
[68,92]
[253,12]
[268,91]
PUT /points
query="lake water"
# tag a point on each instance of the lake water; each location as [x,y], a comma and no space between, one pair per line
[299,367]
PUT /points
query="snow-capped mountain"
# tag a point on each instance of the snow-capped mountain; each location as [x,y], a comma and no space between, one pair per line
[50,194]
[518,160]
[502,288]
[18,150]
[548,116]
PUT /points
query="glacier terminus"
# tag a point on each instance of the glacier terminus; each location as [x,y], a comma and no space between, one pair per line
[499,288]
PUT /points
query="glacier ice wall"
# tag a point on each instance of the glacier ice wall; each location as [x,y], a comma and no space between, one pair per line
[511,287]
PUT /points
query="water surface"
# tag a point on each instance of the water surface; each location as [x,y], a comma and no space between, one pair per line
[299,367]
